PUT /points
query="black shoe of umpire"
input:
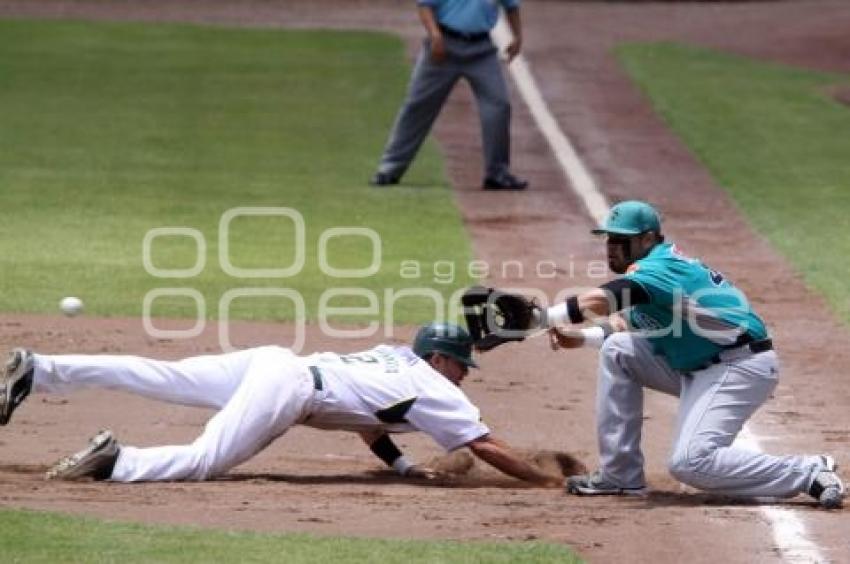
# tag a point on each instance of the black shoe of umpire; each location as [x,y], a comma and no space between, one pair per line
[506,181]
[383,179]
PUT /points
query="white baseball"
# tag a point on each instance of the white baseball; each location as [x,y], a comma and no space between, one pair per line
[71,306]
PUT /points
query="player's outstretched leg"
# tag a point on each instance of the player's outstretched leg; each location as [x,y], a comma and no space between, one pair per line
[203,381]
[95,461]
[276,393]
[16,382]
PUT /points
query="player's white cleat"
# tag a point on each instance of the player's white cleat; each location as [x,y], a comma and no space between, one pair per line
[595,484]
[827,487]
[16,382]
[95,461]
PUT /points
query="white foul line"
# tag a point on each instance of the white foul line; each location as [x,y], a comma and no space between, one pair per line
[578,175]
[789,532]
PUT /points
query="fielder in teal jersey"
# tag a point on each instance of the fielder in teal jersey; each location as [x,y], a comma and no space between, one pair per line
[693,312]
[672,324]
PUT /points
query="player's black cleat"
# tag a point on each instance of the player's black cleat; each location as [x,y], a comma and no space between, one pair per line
[827,487]
[96,461]
[595,484]
[16,382]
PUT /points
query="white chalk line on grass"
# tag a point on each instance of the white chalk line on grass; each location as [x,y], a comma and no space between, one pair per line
[789,532]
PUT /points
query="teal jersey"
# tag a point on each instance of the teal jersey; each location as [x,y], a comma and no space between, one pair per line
[693,312]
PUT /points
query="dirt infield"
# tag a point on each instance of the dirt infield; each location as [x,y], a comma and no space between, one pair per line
[328,483]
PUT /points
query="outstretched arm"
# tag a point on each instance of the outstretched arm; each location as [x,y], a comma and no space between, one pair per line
[499,455]
[384,448]
[592,336]
[609,298]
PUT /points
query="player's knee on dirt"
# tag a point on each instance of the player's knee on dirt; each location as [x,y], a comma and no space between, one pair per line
[201,464]
[691,465]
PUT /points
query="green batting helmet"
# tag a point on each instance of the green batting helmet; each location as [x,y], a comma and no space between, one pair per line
[630,218]
[447,339]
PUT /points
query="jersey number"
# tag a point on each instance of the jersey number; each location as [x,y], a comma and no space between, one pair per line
[363,358]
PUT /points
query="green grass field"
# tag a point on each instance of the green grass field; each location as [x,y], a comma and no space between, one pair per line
[110,130]
[29,536]
[774,138]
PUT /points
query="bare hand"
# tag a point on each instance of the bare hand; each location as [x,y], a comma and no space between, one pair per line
[513,49]
[438,49]
[560,340]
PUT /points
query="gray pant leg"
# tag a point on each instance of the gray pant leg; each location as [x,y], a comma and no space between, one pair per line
[494,108]
[715,404]
[430,85]
[627,365]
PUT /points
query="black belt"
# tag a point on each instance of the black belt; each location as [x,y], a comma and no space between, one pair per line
[317,378]
[760,346]
[464,36]
[755,347]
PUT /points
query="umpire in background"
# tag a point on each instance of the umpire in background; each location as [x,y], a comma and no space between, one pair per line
[458,46]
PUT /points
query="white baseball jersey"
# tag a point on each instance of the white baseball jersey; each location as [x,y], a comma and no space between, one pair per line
[392,388]
[262,392]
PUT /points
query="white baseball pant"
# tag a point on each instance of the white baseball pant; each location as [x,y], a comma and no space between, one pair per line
[714,404]
[260,393]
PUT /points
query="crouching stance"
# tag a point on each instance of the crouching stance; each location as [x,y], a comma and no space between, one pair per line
[261,392]
[671,324]
[683,329]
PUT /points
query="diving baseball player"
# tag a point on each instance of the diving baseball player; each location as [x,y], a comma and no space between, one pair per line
[262,392]
[682,329]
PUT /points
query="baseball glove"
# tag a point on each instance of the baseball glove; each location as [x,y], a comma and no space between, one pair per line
[494,317]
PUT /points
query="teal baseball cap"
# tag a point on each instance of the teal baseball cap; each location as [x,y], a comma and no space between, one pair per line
[632,217]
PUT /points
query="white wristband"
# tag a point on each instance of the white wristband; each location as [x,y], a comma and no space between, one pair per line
[556,315]
[593,336]
[402,465]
